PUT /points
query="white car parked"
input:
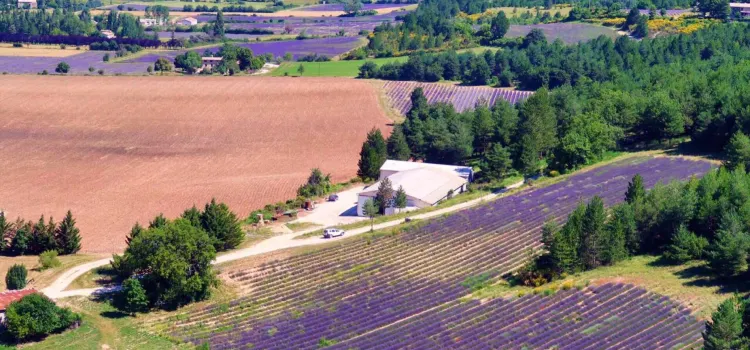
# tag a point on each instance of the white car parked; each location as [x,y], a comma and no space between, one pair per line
[333,232]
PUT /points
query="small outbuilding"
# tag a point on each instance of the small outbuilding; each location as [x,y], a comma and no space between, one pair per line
[186,21]
[108,34]
[27,4]
[425,184]
[10,296]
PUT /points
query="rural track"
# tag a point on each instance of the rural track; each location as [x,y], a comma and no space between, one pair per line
[58,288]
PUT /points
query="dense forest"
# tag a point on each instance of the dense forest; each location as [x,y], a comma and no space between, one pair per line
[64,22]
[694,85]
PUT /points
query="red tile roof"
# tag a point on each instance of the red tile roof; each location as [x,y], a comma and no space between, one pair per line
[13,295]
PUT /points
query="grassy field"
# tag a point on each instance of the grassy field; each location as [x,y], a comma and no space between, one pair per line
[331,68]
[40,50]
[37,278]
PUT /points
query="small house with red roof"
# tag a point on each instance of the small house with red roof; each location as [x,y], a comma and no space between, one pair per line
[10,296]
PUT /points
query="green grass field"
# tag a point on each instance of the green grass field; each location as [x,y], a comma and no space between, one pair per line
[331,68]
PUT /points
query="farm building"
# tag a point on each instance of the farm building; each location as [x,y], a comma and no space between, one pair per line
[187,21]
[10,296]
[23,4]
[150,22]
[108,34]
[425,184]
[391,167]
[209,62]
[740,9]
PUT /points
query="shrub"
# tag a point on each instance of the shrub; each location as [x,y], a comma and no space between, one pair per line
[132,297]
[49,259]
[62,68]
[16,277]
[105,58]
[17,45]
[35,316]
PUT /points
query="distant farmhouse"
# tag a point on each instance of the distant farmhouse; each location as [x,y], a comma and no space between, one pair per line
[740,9]
[150,22]
[27,4]
[187,21]
[425,184]
[108,34]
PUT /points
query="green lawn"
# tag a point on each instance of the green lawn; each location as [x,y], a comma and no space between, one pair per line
[331,68]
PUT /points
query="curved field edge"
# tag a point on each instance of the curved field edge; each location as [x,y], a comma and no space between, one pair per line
[353,272]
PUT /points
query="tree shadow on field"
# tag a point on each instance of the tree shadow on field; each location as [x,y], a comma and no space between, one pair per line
[702,276]
[114,314]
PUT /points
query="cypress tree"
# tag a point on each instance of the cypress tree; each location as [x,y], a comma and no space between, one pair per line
[20,243]
[372,156]
[635,190]
[219,24]
[222,226]
[724,331]
[68,239]
[591,234]
[398,149]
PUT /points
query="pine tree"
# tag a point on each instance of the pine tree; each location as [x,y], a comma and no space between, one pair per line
[134,232]
[222,226]
[372,156]
[724,331]
[565,245]
[738,152]
[68,239]
[483,128]
[497,162]
[399,200]
[158,221]
[592,233]
[193,215]
[398,149]
[41,238]
[685,246]
[623,224]
[539,123]
[549,231]
[729,252]
[635,190]
[20,243]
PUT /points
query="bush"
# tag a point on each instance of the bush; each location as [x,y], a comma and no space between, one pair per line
[685,246]
[132,297]
[17,45]
[62,68]
[49,259]
[16,277]
[35,316]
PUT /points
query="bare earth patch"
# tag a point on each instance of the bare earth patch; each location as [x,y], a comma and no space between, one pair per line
[116,150]
[37,51]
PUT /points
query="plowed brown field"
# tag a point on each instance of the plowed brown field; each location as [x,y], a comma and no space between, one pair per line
[116,150]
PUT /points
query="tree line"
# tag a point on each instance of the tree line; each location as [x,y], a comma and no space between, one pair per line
[168,263]
[701,219]
[32,238]
[234,59]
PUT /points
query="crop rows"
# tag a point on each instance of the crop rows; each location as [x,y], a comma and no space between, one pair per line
[462,97]
[359,286]
[615,316]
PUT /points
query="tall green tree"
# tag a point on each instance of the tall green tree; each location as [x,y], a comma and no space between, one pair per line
[724,331]
[564,248]
[539,130]
[189,62]
[718,9]
[592,234]
[399,199]
[641,27]
[222,226]
[67,235]
[483,128]
[685,246]
[219,24]
[5,230]
[371,210]
[738,151]
[372,156]
[635,190]
[398,149]
[134,232]
[500,25]
[158,221]
[384,196]
[497,162]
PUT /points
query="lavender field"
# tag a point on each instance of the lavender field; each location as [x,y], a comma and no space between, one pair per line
[569,33]
[311,26]
[79,64]
[340,7]
[323,295]
[462,97]
[326,47]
